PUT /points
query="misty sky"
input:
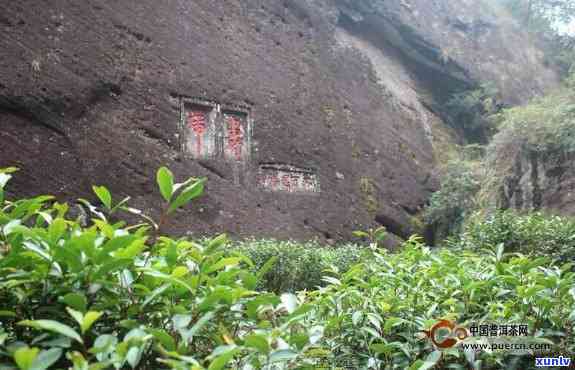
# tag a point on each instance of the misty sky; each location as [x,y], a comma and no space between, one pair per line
[568,28]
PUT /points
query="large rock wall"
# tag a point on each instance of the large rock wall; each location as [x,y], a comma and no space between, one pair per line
[306,121]
[452,44]
[540,180]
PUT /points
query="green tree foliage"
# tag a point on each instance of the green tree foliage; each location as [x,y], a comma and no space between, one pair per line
[455,199]
[547,124]
[564,56]
[541,15]
[470,112]
[544,19]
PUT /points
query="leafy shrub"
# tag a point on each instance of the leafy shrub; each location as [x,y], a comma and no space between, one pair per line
[116,296]
[470,110]
[372,313]
[544,128]
[297,266]
[564,56]
[533,233]
[547,124]
[455,199]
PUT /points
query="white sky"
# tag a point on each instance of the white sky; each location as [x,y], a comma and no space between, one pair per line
[568,28]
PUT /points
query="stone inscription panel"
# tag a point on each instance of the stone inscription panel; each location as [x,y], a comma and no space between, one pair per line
[287,178]
[209,130]
[200,133]
[236,136]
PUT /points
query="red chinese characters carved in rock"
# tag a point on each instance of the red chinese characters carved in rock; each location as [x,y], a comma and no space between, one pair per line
[235,136]
[197,122]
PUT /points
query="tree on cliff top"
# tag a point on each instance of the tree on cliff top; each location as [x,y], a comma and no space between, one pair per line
[542,15]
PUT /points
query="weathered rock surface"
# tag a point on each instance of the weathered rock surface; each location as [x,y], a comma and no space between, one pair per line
[455,43]
[91,92]
[540,180]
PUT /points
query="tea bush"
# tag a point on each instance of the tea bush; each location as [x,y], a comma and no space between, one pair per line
[297,266]
[118,296]
[372,313]
[532,233]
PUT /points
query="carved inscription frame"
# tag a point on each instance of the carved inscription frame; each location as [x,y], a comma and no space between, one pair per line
[210,130]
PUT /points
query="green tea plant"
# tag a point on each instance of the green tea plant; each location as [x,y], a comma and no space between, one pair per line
[375,237]
[118,296]
[113,296]
[535,234]
[373,313]
[297,266]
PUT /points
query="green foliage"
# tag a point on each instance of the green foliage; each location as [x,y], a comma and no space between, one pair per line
[545,20]
[533,234]
[563,55]
[546,126]
[104,195]
[116,296]
[5,176]
[373,312]
[570,80]
[112,296]
[190,189]
[375,237]
[541,15]
[369,193]
[470,111]
[297,266]
[455,199]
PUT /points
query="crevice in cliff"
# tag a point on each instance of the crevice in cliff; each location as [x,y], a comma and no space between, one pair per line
[537,192]
[393,226]
[30,111]
[212,169]
[517,190]
[511,190]
[423,59]
[522,188]
[409,68]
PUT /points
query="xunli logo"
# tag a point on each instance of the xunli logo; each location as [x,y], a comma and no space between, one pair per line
[552,361]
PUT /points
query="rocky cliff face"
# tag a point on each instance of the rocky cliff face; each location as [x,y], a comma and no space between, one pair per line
[451,44]
[309,118]
[540,180]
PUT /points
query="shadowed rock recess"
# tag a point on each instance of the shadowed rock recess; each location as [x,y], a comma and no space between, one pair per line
[309,118]
[540,180]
